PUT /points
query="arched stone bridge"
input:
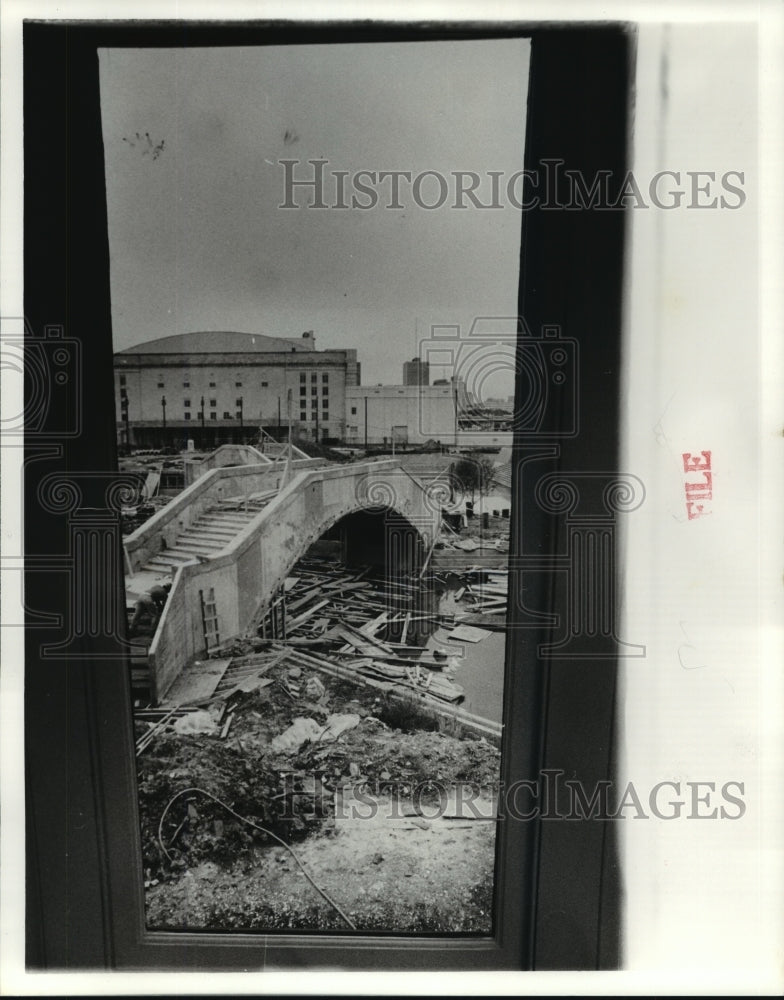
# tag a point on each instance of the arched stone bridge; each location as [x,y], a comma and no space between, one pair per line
[257,536]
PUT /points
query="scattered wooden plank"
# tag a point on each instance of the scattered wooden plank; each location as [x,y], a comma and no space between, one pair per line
[295,623]
[197,682]
[145,740]
[469,633]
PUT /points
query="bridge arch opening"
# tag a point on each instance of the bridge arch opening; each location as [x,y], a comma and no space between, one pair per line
[380,538]
[380,544]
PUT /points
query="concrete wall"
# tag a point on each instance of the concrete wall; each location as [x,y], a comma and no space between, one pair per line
[226,455]
[246,576]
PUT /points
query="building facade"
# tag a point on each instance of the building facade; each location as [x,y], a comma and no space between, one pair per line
[220,387]
[403,414]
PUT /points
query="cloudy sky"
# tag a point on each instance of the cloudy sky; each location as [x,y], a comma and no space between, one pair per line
[198,240]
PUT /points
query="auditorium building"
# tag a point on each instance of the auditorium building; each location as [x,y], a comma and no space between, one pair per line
[221,387]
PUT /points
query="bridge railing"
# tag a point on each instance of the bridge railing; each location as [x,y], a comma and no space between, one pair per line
[162,529]
[244,576]
[225,455]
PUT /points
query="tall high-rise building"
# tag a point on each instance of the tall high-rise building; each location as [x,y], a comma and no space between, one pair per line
[416,372]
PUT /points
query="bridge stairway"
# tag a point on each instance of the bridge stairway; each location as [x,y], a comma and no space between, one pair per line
[210,533]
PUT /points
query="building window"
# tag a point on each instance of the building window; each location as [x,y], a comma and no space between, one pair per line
[303,391]
[324,402]
[325,390]
[161,385]
[325,415]
[226,415]
[238,402]
[213,415]
[325,378]
[187,415]
[303,377]
[353,411]
[314,403]
[313,376]
[314,415]
[212,385]
[213,402]
[238,385]
[122,380]
[314,390]
[186,402]
[303,415]
[238,414]
[264,385]
[186,385]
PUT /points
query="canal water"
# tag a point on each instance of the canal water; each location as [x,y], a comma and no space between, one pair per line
[480,665]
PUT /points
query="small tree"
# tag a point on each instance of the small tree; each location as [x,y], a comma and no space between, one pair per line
[472,475]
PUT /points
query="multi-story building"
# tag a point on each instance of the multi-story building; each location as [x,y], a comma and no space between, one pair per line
[221,387]
[416,372]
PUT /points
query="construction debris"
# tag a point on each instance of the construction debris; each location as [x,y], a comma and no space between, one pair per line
[195,722]
[344,623]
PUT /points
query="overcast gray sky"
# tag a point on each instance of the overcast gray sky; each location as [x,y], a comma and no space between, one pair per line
[198,240]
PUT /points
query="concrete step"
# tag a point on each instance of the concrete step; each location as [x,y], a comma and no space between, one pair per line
[189,550]
[217,526]
[175,556]
[232,520]
[194,536]
[166,566]
[211,536]
[188,544]
[218,531]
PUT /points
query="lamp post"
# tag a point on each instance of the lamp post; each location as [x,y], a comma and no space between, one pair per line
[124,407]
[239,403]
[163,408]
[366,427]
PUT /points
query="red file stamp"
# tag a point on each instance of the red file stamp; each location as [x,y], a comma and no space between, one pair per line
[699,483]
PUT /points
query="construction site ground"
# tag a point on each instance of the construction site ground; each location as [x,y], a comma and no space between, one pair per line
[374,816]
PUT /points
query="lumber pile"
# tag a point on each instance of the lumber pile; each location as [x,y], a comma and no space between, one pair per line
[350,624]
[320,594]
[485,596]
